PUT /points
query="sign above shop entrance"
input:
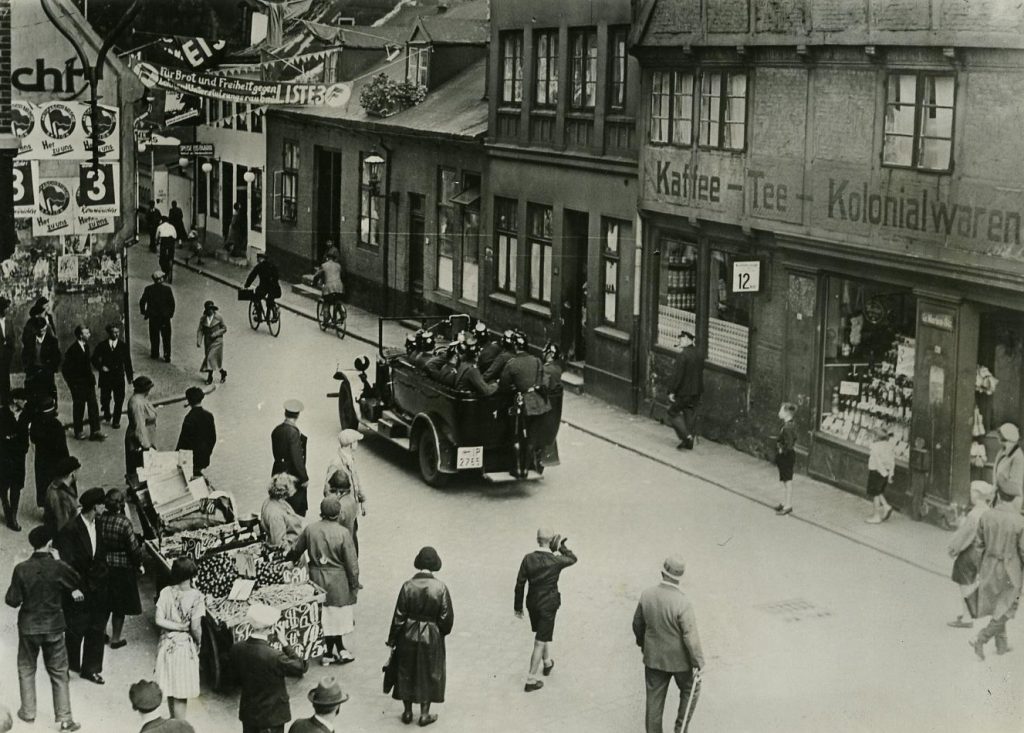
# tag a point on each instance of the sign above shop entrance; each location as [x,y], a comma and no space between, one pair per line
[746,276]
[191,150]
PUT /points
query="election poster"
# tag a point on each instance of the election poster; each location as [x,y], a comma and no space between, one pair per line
[63,130]
[26,173]
[58,212]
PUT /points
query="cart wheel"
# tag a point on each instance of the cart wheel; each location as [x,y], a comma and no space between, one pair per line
[209,657]
[340,320]
[430,461]
[253,321]
[274,320]
[323,315]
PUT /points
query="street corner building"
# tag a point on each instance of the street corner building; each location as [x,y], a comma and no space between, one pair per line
[73,206]
[829,202]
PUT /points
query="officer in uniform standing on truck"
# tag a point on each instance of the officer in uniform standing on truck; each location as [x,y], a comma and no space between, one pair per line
[469,377]
[496,355]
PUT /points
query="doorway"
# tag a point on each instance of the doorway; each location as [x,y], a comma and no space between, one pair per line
[327,219]
[575,240]
[227,192]
[242,199]
[416,245]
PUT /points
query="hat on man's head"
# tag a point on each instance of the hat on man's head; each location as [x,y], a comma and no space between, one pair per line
[673,567]
[210,305]
[146,696]
[66,465]
[348,436]
[1009,431]
[41,302]
[194,395]
[92,498]
[293,407]
[36,310]
[261,616]
[47,405]
[330,507]
[39,536]
[158,275]
[328,692]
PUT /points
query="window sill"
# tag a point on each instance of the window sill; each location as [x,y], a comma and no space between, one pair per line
[537,309]
[503,298]
[366,246]
[928,171]
[613,334]
[468,303]
[509,108]
[543,112]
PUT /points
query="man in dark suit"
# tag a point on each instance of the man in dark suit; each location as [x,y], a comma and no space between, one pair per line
[157,305]
[77,371]
[14,419]
[81,547]
[39,309]
[40,357]
[289,447]
[327,698]
[50,443]
[261,670]
[666,631]
[6,350]
[146,698]
[198,431]
[684,390]
[113,360]
[541,570]
[269,286]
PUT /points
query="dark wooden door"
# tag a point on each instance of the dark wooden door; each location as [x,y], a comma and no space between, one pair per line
[801,352]
[327,217]
[416,246]
[227,195]
[573,267]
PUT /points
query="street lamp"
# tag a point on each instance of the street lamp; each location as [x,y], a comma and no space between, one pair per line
[377,173]
[207,167]
[375,165]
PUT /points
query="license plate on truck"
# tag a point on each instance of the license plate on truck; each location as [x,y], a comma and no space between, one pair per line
[470,457]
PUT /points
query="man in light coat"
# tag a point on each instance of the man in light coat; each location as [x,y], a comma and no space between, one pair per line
[1008,470]
[1001,572]
[666,631]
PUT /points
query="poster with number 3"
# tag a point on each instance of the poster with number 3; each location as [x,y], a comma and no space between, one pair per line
[99,189]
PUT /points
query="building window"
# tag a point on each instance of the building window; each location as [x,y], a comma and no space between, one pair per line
[256,124]
[256,201]
[471,252]
[243,117]
[672,107]
[870,355]
[729,316]
[215,190]
[677,290]
[919,121]
[369,206]
[202,191]
[417,65]
[330,70]
[539,228]
[546,68]
[512,68]
[723,110]
[618,59]
[447,189]
[227,113]
[614,233]
[583,68]
[287,209]
[506,235]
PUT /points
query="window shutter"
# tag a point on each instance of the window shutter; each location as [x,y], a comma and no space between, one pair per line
[278,175]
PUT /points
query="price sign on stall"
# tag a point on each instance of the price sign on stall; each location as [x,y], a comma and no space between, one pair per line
[746,276]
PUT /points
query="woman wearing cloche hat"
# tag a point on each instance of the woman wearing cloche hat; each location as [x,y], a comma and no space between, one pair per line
[1008,473]
[141,432]
[210,335]
[342,480]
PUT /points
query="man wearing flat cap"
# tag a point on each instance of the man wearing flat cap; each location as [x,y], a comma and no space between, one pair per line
[289,447]
[666,631]
[1000,541]
[81,547]
[684,390]
[327,698]
[157,306]
[146,698]
[198,431]
[37,590]
[261,670]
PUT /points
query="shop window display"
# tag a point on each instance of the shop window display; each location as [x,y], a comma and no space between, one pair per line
[729,316]
[868,382]
[677,290]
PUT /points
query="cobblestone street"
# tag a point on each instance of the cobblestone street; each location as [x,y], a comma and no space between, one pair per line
[803,628]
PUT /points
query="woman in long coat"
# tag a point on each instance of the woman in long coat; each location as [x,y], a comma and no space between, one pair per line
[1001,573]
[210,335]
[122,553]
[333,566]
[423,617]
[141,433]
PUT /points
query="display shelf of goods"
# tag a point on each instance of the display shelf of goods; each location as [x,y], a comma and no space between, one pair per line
[671,321]
[728,345]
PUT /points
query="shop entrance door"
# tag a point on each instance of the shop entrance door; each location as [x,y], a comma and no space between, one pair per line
[227,191]
[935,392]
[327,217]
[416,245]
[802,304]
[575,231]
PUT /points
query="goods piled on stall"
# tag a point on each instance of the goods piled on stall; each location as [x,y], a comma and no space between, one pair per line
[280,596]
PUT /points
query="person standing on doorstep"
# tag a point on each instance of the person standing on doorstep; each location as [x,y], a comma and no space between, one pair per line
[333,566]
[343,480]
[81,546]
[684,391]
[1001,572]
[62,502]
[210,335]
[37,590]
[1008,471]
[6,350]
[157,306]
[881,471]
[785,457]
[327,699]
[540,571]
[288,445]
[140,436]
[177,219]
[113,360]
[198,431]
[167,239]
[14,422]
[236,242]
[77,371]
[665,628]
[41,360]
[152,217]
[146,698]
[966,555]
[261,670]
[50,445]
[122,555]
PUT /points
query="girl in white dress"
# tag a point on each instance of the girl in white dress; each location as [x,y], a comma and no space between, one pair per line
[179,614]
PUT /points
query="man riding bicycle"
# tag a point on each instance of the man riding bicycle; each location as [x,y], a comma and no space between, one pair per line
[269,287]
[328,277]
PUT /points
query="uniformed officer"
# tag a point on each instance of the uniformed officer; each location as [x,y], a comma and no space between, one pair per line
[441,366]
[523,371]
[424,348]
[552,358]
[502,353]
[469,377]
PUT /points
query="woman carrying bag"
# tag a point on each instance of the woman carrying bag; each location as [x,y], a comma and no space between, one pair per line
[210,335]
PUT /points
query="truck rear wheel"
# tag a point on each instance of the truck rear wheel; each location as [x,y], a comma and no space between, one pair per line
[429,460]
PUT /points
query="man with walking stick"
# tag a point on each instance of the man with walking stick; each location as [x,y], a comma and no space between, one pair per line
[666,631]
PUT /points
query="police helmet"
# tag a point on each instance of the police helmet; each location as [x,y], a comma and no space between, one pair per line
[520,340]
[467,350]
[410,343]
[552,350]
[508,338]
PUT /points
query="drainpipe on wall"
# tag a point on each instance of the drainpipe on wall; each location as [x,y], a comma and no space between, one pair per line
[638,292]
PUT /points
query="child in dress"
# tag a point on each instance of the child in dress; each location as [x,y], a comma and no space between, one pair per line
[179,614]
[881,469]
[785,456]
[961,547]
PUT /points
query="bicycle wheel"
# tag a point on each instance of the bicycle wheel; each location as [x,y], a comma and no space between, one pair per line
[323,315]
[274,320]
[254,321]
[340,320]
